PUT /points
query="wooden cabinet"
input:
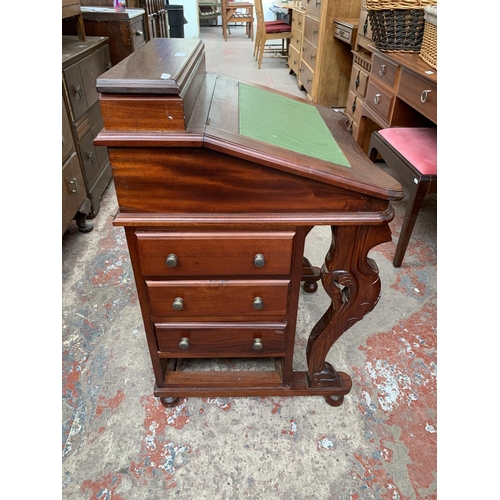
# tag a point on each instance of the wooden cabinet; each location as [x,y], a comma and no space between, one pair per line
[216,221]
[322,72]
[82,63]
[126,31]
[75,204]
[295,47]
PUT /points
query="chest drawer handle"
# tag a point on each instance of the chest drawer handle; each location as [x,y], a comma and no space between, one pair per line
[178,303]
[171,260]
[138,33]
[382,70]
[184,343]
[376,99]
[258,260]
[357,80]
[353,107]
[79,91]
[425,95]
[257,344]
[258,303]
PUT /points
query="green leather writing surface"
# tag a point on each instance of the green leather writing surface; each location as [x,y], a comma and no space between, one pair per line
[287,123]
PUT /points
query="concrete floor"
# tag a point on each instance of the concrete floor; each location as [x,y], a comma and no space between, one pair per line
[119,443]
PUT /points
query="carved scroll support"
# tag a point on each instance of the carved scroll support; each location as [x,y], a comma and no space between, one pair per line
[351,280]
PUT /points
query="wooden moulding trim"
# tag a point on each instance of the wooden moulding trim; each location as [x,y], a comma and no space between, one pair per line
[148,139]
[265,219]
[269,160]
[298,387]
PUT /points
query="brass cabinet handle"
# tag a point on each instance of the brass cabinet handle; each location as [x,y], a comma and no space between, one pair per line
[382,70]
[257,344]
[258,260]
[315,32]
[171,260]
[309,80]
[376,99]
[258,303]
[424,95]
[184,343]
[178,303]
[138,33]
[313,57]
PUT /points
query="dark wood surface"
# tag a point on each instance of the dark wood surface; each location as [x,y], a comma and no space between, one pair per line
[208,185]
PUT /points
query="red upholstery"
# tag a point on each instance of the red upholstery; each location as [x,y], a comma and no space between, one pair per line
[278,28]
[417,145]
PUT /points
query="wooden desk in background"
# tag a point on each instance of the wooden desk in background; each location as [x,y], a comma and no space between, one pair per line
[402,92]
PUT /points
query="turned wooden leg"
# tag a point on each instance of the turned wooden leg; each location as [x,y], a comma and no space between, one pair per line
[310,276]
[351,280]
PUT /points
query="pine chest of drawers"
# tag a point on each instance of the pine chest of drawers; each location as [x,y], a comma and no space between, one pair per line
[216,218]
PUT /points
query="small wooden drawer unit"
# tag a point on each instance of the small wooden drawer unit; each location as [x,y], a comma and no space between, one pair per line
[419,92]
[384,70]
[380,100]
[216,222]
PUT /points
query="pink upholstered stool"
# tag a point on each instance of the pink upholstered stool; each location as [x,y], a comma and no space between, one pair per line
[412,154]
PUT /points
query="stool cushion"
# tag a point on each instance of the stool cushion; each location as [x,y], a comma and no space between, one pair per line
[417,145]
[278,28]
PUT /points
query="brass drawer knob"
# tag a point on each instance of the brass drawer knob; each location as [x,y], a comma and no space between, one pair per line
[258,260]
[184,343]
[258,303]
[178,303]
[171,260]
[257,344]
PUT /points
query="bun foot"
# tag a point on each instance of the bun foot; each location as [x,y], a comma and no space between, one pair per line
[334,400]
[169,402]
[310,286]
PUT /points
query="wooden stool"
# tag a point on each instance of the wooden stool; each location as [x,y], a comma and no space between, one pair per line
[412,153]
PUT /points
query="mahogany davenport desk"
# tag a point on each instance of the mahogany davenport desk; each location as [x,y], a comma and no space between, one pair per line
[216,216]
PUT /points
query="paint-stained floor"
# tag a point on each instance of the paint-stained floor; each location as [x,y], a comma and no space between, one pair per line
[120,443]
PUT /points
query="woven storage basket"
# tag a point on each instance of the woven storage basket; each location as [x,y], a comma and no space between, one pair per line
[397,26]
[428,52]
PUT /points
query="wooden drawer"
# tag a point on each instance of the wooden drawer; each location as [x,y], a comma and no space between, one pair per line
[73,190]
[313,7]
[90,161]
[311,30]
[343,32]
[379,100]
[293,59]
[419,93]
[214,253]
[138,32]
[296,40]
[384,70]
[297,20]
[68,145]
[359,79]
[213,340]
[214,298]
[309,54]
[306,77]
[354,105]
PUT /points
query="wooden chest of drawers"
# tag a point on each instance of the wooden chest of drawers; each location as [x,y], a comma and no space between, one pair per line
[216,222]
[82,63]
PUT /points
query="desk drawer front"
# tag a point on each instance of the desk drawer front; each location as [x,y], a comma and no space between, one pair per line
[313,7]
[218,298]
[420,93]
[306,77]
[384,70]
[297,21]
[309,54]
[296,39]
[343,33]
[294,59]
[379,100]
[212,340]
[138,32]
[209,254]
[311,30]
[359,79]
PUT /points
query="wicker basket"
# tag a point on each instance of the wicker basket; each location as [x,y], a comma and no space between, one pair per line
[397,26]
[428,52]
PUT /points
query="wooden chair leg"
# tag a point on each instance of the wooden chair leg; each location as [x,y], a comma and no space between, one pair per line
[415,202]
